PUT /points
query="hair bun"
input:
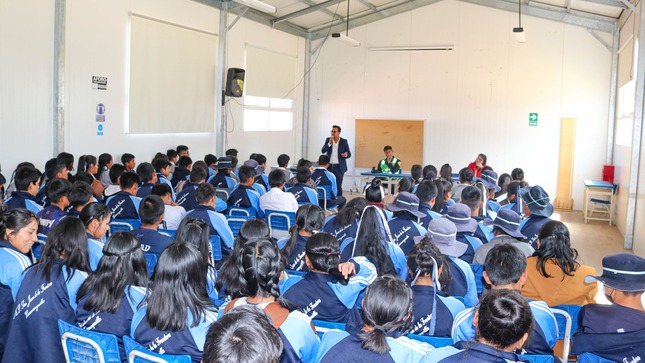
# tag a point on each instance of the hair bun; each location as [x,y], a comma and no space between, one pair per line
[375,183]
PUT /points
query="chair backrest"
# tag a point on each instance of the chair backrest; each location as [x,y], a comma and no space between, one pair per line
[324,326]
[436,342]
[235,223]
[168,232]
[538,358]
[564,320]
[280,220]
[478,271]
[324,194]
[216,248]
[151,260]
[139,354]
[592,358]
[85,346]
[124,225]
[240,212]
[222,194]
[37,248]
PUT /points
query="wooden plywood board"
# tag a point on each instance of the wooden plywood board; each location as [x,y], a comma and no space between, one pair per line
[563,198]
[405,137]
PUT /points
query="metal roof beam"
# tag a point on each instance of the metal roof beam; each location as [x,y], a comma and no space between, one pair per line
[305,11]
[326,11]
[614,3]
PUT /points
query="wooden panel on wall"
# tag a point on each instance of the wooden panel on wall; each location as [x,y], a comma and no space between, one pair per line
[405,137]
[563,198]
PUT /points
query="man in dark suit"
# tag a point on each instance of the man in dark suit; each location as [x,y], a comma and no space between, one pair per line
[337,149]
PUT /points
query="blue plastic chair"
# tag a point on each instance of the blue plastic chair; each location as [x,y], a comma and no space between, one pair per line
[235,223]
[241,212]
[39,246]
[137,353]
[124,225]
[280,220]
[538,358]
[436,342]
[151,260]
[478,270]
[86,346]
[216,248]
[564,315]
[324,326]
[324,194]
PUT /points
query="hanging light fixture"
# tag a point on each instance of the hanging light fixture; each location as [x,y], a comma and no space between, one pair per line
[345,37]
[520,36]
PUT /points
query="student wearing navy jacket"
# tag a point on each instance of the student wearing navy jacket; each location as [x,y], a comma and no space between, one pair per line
[537,209]
[48,293]
[301,191]
[322,177]
[182,170]
[148,178]
[505,268]
[330,289]
[260,267]
[96,219]
[345,224]
[162,167]
[57,192]
[387,315]
[151,211]
[222,179]
[434,311]
[404,226]
[27,180]
[472,197]
[245,196]
[109,297]
[309,220]
[427,194]
[187,197]
[53,170]
[177,311]
[503,323]
[338,151]
[260,178]
[18,232]
[79,196]
[459,214]
[124,204]
[205,196]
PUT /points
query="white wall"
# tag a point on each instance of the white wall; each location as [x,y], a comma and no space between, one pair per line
[476,98]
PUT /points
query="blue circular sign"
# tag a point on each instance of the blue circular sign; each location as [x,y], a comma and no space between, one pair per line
[100,127]
[100,108]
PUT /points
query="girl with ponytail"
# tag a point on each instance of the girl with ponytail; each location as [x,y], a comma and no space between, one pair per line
[259,265]
[309,220]
[345,224]
[105,164]
[89,164]
[387,315]
[329,291]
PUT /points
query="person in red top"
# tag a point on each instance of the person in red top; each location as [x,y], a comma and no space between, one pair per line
[478,165]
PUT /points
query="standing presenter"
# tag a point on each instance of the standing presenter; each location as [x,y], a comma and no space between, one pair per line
[337,149]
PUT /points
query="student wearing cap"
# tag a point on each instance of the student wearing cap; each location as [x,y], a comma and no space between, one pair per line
[222,179]
[404,226]
[459,214]
[505,268]
[427,194]
[615,331]
[261,189]
[537,209]
[322,177]
[489,180]
[245,196]
[466,176]
[444,235]
[261,178]
[506,228]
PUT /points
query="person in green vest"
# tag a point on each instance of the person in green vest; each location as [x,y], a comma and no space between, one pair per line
[389,164]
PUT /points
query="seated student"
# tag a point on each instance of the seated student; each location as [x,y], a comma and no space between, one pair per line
[329,291]
[105,164]
[128,161]
[446,172]
[434,311]
[151,211]
[512,194]
[245,335]
[108,298]
[466,176]
[374,242]
[404,226]
[260,177]
[233,171]
[186,198]
[309,220]
[489,179]
[115,178]
[459,214]
[307,164]
[344,224]
[502,322]
[211,164]
[177,311]
[389,164]
[537,210]
[182,150]
[260,261]
[222,179]
[89,164]
[48,293]
[57,192]
[245,196]
[444,192]
[322,177]
[173,214]
[503,182]
[517,174]
[182,170]
[205,210]
[12,184]
[615,331]
[96,219]
[53,170]
[27,179]
[197,232]
[68,160]
[3,181]
[173,158]
[278,199]
[443,233]
[472,197]
[405,185]
[125,204]
[430,172]
[302,191]
[416,171]
[283,165]
[375,195]
[387,315]
[148,178]
[506,228]
[505,268]
[162,167]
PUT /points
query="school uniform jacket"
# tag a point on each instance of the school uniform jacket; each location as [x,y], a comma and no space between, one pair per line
[95,251]
[123,205]
[542,339]
[340,232]
[23,200]
[222,180]
[447,309]
[152,241]
[530,227]
[33,335]
[117,323]
[161,179]
[321,176]
[245,197]
[619,347]
[473,244]
[217,222]
[321,297]
[470,352]
[463,281]
[304,194]
[263,180]
[395,252]
[189,341]
[41,196]
[186,198]
[180,173]
[48,218]
[404,228]
[296,260]
[429,214]
[12,264]
[145,190]
[345,346]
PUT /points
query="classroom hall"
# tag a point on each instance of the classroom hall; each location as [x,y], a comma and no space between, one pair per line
[92,76]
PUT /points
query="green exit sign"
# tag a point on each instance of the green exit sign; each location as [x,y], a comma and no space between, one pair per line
[533,119]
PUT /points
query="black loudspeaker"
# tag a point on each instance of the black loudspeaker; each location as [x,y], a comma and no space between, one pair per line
[234,82]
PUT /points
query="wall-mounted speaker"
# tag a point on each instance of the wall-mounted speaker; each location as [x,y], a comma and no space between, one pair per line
[234,82]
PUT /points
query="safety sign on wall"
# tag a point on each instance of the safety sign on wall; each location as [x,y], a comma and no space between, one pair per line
[99,82]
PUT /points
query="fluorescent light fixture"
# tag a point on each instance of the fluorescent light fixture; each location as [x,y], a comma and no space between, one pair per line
[411,48]
[257,5]
[520,35]
[347,40]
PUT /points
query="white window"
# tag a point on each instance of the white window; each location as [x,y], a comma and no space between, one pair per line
[268,114]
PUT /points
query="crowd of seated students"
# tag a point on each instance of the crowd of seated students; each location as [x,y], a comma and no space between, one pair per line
[383,269]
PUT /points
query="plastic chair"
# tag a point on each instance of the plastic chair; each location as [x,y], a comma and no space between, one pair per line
[216,248]
[324,194]
[151,260]
[592,358]
[280,220]
[124,225]
[139,354]
[478,270]
[86,346]
[564,330]
[221,194]
[241,212]
[235,223]
[538,358]
[39,246]
[324,326]
[436,342]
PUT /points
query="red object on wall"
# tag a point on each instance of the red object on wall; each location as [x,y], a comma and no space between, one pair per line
[608,173]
